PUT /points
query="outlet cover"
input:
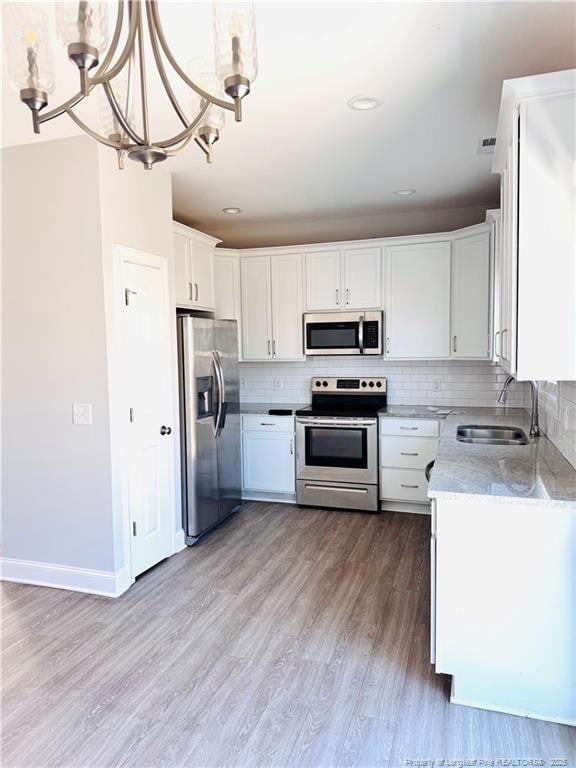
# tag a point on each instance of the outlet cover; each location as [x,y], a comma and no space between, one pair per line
[278,384]
[82,413]
[243,382]
[437,384]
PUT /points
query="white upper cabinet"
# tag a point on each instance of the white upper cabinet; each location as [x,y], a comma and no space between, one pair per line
[193,268]
[272,307]
[535,157]
[182,271]
[349,279]
[256,308]
[323,289]
[471,296]
[287,306]
[418,301]
[227,286]
[362,278]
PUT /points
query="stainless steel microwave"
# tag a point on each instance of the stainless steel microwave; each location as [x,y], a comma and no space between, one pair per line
[343,333]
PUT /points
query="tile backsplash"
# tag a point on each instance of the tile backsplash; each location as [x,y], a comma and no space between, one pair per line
[431,382]
[557,411]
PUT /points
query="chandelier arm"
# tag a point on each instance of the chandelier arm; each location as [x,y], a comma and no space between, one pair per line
[186,132]
[161,68]
[120,116]
[108,142]
[77,98]
[231,106]
[143,93]
[176,150]
[103,77]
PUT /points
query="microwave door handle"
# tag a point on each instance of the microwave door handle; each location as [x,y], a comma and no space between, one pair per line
[361,334]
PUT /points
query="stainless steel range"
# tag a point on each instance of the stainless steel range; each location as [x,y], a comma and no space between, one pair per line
[337,443]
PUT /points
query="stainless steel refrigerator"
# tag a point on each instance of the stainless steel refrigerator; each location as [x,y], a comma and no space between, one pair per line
[209,422]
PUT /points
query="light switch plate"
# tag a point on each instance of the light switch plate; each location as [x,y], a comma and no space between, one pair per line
[82,413]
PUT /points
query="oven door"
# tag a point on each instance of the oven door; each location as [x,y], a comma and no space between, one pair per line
[340,450]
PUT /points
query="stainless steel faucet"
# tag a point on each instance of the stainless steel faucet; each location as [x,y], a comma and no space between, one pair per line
[534,428]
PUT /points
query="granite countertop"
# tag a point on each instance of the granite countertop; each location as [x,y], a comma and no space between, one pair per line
[416,411]
[521,473]
[263,408]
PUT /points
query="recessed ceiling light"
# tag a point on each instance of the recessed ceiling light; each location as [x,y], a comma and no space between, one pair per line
[363,102]
[231,210]
[404,192]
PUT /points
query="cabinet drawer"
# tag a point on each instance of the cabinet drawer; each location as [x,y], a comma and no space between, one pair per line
[409,427]
[270,423]
[403,485]
[407,452]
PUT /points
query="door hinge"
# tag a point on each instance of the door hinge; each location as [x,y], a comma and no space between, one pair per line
[131,415]
[127,293]
[134,532]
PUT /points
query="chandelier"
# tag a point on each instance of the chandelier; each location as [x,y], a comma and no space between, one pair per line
[213,86]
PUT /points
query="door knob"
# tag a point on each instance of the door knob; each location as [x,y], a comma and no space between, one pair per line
[165,430]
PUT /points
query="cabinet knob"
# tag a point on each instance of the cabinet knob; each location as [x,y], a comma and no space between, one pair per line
[165,430]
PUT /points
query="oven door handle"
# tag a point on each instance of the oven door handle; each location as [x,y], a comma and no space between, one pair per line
[361,334]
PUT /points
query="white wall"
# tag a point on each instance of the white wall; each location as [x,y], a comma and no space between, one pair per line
[57,505]
[436,382]
[64,206]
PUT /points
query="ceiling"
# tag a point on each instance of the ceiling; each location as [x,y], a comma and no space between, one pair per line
[302,166]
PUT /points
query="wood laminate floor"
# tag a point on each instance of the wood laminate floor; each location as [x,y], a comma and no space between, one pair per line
[289,637]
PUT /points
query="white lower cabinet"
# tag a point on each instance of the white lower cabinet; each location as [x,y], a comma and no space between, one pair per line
[268,456]
[406,447]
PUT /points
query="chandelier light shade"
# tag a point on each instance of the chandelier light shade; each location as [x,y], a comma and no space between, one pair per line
[112,63]
[29,54]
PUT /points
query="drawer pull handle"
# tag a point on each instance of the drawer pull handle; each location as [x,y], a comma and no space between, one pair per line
[267,424]
[405,485]
[405,453]
[412,428]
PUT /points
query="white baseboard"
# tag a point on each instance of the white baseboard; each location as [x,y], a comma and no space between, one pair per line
[107,583]
[454,699]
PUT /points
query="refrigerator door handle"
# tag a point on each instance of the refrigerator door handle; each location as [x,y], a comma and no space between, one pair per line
[221,410]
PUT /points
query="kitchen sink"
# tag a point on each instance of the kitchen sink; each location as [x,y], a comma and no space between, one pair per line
[476,433]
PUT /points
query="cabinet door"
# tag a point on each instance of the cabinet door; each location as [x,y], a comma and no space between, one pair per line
[418,301]
[256,310]
[287,306]
[471,296]
[362,278]
[182,278]
[226,287]
[202,268]
[323,290]
[268,461]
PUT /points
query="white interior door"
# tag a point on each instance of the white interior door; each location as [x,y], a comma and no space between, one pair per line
[147,374]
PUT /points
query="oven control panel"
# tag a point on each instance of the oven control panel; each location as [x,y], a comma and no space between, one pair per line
[349,386]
